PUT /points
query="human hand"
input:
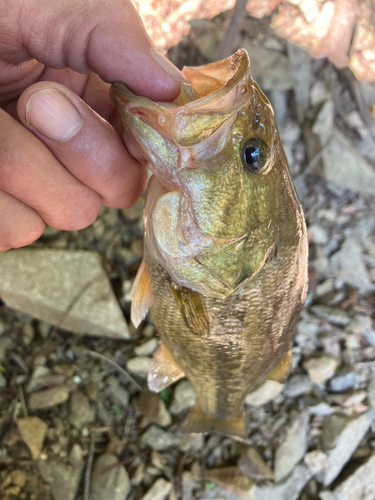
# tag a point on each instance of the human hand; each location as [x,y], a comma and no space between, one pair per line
[60,157]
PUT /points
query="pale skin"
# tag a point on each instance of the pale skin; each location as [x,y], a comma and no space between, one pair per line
[61,155]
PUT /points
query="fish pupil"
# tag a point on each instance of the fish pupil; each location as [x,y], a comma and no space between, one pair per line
[255,153]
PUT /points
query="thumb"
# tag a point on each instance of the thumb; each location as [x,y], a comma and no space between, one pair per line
[107,38]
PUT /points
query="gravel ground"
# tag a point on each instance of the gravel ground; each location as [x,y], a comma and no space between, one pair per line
[76,418]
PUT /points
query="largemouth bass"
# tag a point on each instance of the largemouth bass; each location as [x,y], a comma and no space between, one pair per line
[224,273]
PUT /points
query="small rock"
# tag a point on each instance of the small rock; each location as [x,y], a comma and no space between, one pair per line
[293,448]
[76,455]
[159,490]
[81,412]
[360,485]
[251,464]
[18,478]
[49,398]
[33,431]
[323,124]
[343,382]
[264,394]
[320,369]
[321,409]
[346,445]
[184,397]
[3,381]
[158,439]
[233,481]
[348,265]
[191,443]
[297,385]
[288,490]
[114,484]
[147,348]
[139,366]
[334,315]
[47,282]
[318,234]
[119,395]
[316,461]
[319,92]
[63,479]
[338,158]
[5,343]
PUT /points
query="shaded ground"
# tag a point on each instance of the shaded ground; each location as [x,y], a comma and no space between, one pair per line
[72,425]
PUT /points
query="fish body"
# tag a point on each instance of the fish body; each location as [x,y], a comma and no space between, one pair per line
[225,259]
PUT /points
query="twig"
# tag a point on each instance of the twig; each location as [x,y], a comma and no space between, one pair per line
[313,162]
[90,460]
[239,12]
[94,354]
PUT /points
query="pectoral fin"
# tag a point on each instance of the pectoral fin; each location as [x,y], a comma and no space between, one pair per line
[199,421]
[281,371]
[192,309]
[164,370]
[140,295]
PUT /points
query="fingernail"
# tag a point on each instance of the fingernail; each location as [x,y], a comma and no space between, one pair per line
[51,114]
[168,67]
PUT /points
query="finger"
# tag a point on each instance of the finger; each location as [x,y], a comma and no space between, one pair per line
[85,144]
[107,38]
[20,225]
[30,173]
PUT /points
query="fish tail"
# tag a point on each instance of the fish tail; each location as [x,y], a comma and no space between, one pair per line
[199,421]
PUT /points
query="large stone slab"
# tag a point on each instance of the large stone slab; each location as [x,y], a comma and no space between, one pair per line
[47,283]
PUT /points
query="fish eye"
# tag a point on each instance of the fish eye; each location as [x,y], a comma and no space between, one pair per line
[255,154]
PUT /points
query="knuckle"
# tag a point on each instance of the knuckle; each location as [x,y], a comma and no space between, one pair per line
[82,214]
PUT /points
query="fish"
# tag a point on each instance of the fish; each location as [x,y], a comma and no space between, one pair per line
[224,273]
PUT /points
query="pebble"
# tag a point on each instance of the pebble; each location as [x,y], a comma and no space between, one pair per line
[316,461]
[158,439]
[334,315]
[343,382]
[297,385]
[346,444]
[33,431]
[184,397]
[159,490]
[293,448]
[289,489]
[48,398]
[360,485]
[119,395]
[147,348]
[63,479]
[81,412]
[348,265]
[321,409]
[140,366]
[264,394]
[114,484]
[3,381]
[251,464]
[320,369]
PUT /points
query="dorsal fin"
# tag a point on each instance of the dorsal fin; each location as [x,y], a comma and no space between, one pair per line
[140,295]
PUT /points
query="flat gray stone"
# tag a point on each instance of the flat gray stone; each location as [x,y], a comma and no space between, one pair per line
[140,365]
[114,484]
[334,315]
[288,490]
[81,412]
[343,382]
[45,283]
[63,479]
[264,394]
[159,490]
[184,397]
[147,348]
[345,166]
[320,369]
[347,265]
[346,444]
[361,484]
[48,398]
[293,448]
[158,439]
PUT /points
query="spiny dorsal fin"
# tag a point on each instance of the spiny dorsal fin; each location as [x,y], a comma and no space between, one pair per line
[192,309]
[140,295]
[164,370]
